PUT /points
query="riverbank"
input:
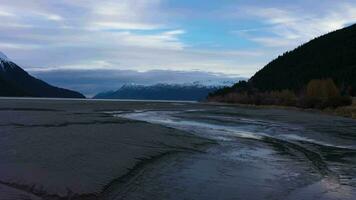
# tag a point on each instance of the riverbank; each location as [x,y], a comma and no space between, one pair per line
[347,111]
[344,111]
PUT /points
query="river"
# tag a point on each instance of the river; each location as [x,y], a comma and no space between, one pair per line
[257,155]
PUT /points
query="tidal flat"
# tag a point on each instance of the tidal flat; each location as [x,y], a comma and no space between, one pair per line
[93,149]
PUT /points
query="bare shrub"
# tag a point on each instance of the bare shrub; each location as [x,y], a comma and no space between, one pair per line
[322,89]
[322,94]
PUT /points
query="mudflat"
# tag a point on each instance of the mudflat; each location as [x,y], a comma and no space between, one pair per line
[86,149]
[51,149]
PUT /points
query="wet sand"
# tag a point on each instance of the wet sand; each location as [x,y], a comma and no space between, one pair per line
[68,149]
[57,149]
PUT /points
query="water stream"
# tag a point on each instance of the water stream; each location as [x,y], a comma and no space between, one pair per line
[254,159]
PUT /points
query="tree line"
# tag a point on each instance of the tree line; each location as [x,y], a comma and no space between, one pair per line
[318,94]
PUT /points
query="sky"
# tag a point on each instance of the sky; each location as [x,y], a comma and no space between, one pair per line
[219,38]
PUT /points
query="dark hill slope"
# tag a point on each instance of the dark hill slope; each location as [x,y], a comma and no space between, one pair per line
[330,56]
[7,89]
[14,81]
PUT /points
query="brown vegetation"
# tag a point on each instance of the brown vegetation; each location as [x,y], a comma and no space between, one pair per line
[284,97]
[346,111]
[322,89]
[319,94]
[323,94]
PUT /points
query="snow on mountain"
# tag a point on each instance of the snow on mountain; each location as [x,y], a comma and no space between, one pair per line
[3,57]
[6,63]
[215,83]
[204,83]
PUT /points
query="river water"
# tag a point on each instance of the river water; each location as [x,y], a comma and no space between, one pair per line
[256,155]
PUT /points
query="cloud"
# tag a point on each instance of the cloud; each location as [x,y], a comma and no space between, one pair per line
[122,26]
[89,26]
[5,13]
[163,40]
[91,31]
[51,17]
[292,26]
[18,46]
[124,15]
[139,59]
[175,32]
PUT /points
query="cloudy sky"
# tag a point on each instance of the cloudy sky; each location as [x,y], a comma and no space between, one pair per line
[232,37]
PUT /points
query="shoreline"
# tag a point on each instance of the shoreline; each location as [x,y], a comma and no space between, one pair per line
[99,100]
[345,111]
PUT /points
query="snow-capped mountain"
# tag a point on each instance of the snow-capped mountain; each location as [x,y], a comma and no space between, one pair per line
[3,57]
[5,61]
[195,91]
[14,81]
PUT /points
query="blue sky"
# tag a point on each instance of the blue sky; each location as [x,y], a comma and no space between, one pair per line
[233,37]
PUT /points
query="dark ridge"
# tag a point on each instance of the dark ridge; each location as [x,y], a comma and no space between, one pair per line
[16,82]
[329,56]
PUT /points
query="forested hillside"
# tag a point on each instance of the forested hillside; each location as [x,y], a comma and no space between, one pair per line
[330,56]
[318,74]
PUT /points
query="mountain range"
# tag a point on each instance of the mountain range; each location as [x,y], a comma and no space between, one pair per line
[185,92]
[16,82]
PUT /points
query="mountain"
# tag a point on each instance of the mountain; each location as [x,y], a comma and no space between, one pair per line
[187,92]
[14,81]
[330,56]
